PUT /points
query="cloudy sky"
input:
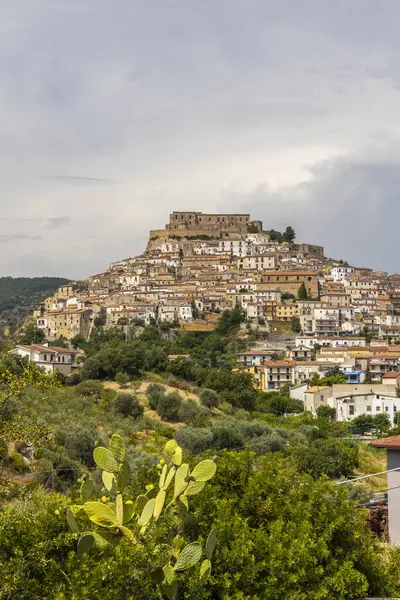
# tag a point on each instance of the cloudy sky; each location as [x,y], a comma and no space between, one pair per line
[113,113]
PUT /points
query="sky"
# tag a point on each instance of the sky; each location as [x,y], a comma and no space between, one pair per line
[114,113]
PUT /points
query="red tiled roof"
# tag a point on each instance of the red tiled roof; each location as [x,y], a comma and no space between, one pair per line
[391,375]
[390,442]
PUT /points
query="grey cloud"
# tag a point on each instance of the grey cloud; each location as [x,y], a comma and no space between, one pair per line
[79,180]
[349,205]
[186,99]
[6,238]
[56,222]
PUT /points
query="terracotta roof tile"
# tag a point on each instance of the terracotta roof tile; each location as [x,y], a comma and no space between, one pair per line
[390,442]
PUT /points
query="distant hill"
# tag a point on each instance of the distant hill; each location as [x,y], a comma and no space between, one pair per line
[20,295]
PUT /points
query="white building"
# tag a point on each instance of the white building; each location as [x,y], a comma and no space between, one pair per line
[47,357]
[340,273]
[350,406]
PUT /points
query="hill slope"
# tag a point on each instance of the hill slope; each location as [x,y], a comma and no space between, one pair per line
[19,296]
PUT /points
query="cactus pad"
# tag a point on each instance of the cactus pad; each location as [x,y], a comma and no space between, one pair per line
[117,447]
[147,513]
[181,482]
[159,504]
[211,543]
[85,544]
[86,490]
[189,556]
[100,514]
[71,521]
[104,459]
[204,471]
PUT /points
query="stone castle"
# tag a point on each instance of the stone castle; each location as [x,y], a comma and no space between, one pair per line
[184,224]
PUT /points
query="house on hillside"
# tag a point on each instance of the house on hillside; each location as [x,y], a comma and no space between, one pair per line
[48,358]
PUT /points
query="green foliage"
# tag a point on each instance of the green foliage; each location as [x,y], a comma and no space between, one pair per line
[287,296]
[112,518]
[367,422]
[90,389]
[122,379]
[20,295]
[295,324]
[91,369]
[326,412]
[334,458]
[33,335]
[289,234]
[17,464]
[275,236]
[277,403]
[302,292]
[169,405]
[209,398]
[128,405]
[155,392]
[230,321]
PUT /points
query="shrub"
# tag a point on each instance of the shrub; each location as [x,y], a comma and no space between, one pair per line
[209,398]
[90,389]
[17,463]
[91,369]
[169,405]
[226,437]
[194,440]
[3,451]
[331,457]
[122,379]
[78,441]
[128,405]
[191,412]
[154,393]
[73,379]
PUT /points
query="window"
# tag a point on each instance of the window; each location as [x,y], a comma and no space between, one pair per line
[369,408]
[45,357]
[386,409]
[351,410]
[378,408]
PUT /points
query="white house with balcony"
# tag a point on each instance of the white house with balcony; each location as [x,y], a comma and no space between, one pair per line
[49,358]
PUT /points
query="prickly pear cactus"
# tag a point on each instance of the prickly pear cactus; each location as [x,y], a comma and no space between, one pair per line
[114,517]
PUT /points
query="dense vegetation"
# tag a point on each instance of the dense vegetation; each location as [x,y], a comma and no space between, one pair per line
[283,529]
[20,295]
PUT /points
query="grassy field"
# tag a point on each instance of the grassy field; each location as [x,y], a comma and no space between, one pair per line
[280,326]
[372,460]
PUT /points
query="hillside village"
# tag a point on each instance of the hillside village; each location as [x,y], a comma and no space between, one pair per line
[314,315]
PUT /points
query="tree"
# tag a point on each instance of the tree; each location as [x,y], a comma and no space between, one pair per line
[99,321]
[326,412]
[367,334]
[288,296]
[277,403]
[382,422]
[33,335]
[128,405]
[302,292]
[275,236]
[209,398]
[332,457]
[168,406]
[122,379]
[289,234]
[295,324]
[368,376]
[92,369]
[363,423]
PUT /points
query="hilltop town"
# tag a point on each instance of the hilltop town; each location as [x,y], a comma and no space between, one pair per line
[313,313]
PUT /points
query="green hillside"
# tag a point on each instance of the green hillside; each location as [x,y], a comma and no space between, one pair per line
[20,295]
